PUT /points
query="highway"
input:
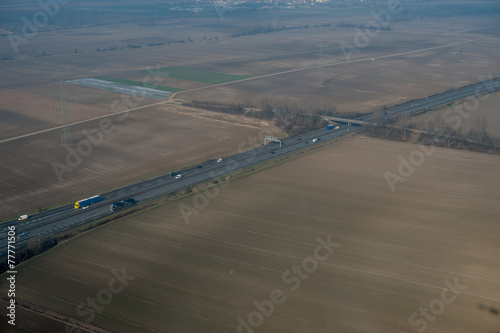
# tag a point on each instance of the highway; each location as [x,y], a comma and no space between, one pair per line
[57,220]
[431,102]
[64,218]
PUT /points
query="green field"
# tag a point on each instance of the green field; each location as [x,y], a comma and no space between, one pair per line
[137,83]
[198,75]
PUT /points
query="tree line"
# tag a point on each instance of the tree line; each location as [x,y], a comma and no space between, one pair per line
[439,133]
[292,117]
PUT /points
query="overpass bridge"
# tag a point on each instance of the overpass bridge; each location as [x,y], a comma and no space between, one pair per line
[350,121]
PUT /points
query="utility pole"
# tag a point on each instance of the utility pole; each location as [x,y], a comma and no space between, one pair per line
[64,109]
[458,36]
[320,65]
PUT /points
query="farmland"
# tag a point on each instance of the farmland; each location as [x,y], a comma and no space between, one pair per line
[359,235]
[137,83]
[132,146]
[397,251]
[413,60]
[198,75]
[128,87]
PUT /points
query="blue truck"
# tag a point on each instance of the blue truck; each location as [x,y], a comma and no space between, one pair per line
[88,201]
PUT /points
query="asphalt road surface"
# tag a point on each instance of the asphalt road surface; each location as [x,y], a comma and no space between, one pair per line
[57,220]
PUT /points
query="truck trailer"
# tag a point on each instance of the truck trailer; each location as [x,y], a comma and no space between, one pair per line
[88,201]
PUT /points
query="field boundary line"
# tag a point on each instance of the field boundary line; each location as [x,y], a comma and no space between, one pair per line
[79,122]
[325,65]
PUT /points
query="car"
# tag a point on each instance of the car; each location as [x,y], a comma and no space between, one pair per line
[336,127]
[85,207]
[23,234]
[199,167]
[220,160]
[115,206]
[23,217]
[179,175]
[129,201]
[315,140]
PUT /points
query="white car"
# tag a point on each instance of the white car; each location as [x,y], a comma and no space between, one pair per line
[220,160]
[85,207]
[178,176]
[336,127]
[22,217]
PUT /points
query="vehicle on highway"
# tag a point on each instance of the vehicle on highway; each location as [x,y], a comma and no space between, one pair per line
[23,217]
[220,160]
[115,206]
[23,234]
[129,202]
[315,140]
[330,127]
[122,204]
[87,202]
[85,207]
[179,175]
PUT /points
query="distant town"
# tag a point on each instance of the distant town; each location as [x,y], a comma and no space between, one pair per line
[201,5]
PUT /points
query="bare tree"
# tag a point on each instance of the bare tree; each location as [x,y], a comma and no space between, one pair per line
[479,127]
[403,123]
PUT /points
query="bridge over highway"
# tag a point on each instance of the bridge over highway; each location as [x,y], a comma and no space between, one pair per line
[350,121]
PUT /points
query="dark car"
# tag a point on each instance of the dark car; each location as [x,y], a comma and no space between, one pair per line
[129,202]
[116,205]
